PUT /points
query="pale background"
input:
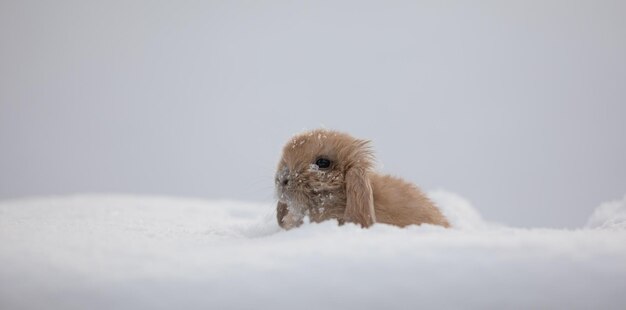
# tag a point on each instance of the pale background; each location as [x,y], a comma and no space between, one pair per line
[518,106]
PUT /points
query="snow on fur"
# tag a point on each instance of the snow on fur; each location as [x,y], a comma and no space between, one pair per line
[125,252]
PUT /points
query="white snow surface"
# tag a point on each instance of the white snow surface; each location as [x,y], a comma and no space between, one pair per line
[134,252]
[609,215]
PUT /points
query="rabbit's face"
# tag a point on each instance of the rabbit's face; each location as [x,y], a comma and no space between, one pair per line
[311,173]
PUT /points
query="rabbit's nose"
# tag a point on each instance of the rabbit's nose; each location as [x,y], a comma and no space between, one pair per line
[282,177]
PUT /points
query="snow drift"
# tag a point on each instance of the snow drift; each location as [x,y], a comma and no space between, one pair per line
[124,252]
[609,215]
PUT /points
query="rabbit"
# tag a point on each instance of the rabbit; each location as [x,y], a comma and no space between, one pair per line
[326,174]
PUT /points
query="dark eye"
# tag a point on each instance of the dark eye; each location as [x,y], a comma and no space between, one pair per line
[323,163]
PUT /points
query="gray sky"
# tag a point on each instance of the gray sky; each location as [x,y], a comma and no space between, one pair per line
[518,106]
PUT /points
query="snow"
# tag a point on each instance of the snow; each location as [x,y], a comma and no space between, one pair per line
[134,252]
[609,215]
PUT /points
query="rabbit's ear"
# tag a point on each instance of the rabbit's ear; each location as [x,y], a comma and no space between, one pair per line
[281,212]
[360,198]
[287,219]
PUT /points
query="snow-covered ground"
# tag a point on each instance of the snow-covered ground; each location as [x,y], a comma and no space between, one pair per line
[126,252]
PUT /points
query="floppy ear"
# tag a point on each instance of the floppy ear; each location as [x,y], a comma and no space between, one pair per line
[360,198]
[281,212]
[287,220]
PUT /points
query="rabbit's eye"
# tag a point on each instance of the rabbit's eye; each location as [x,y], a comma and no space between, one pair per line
[323,163]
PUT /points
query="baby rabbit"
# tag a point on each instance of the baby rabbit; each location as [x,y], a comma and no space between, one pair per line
[328,175]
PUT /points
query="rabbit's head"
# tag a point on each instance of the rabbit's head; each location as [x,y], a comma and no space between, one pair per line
[324,174]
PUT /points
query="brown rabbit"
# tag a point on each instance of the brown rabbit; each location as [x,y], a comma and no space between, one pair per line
[328,175]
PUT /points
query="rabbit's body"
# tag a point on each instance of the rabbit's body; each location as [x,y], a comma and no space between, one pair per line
[328,175]
[400,203]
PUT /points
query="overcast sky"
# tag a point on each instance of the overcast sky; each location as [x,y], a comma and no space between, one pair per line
[518,106]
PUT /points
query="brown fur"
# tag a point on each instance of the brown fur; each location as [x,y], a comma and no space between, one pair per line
[348,191]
